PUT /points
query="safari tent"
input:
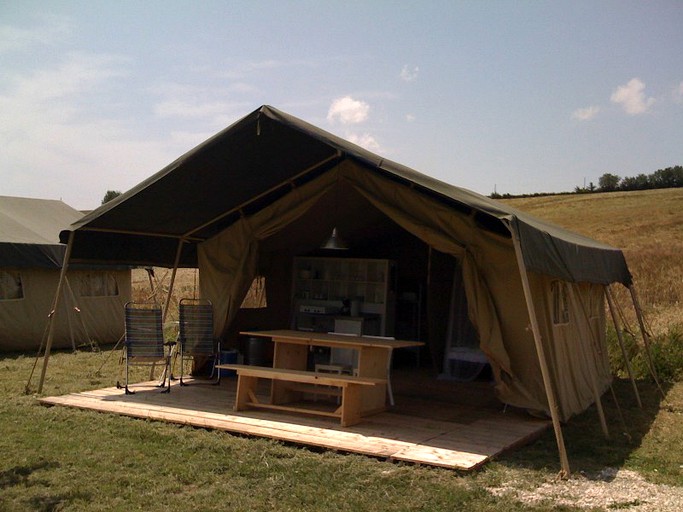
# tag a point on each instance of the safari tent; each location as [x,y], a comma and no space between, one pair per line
[30,262]
[272,187]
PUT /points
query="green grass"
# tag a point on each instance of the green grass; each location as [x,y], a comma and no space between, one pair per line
[56,458]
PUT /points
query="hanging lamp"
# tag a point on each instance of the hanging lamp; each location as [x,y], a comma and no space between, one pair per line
[334,242]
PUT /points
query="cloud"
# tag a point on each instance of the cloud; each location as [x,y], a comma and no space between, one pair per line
[409,75]
[60,136]
[678,93]
[346,110]
[53,30]
[208,106]
[80,72]
[410,118]
[364,140]
[192,110]
[586,114]
[632,97]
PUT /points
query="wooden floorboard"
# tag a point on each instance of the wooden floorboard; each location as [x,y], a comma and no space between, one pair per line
[417,430]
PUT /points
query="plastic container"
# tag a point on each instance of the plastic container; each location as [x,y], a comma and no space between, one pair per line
[228,357]
[257,351]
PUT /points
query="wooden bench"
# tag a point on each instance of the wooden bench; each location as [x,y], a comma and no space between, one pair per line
[349,411]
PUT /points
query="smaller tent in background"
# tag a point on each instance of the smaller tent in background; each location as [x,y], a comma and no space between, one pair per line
[31,257]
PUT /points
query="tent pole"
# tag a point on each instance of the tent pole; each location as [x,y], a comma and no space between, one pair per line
[646,336]
[545,372]
[164,314]
[620,337]
[173,274]
[149,277]
[55,305]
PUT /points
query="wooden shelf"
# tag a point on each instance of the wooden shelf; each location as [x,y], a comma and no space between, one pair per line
[326,282]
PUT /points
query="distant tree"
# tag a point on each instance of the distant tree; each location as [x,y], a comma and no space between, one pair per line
[671,177]
[608,182]
[111,194]
[640,182]
[585,189]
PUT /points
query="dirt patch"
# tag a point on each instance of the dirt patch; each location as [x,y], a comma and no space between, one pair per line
[610,489]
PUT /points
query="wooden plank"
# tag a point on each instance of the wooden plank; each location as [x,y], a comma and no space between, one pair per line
[301,376]
[424,454]
[332,339]
[290,408]
[350,406]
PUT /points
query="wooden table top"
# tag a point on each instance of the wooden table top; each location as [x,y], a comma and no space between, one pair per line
[332,339]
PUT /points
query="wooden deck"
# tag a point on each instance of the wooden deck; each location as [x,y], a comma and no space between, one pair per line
[419,430]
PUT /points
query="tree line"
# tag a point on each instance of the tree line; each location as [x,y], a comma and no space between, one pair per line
[671,177]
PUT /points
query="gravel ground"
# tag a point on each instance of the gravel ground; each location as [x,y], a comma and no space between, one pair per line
[611,489]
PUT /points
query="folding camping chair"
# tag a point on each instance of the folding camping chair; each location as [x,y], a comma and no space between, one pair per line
[144,343]
[195,336]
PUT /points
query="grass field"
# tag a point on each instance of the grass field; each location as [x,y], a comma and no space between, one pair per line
[65,459]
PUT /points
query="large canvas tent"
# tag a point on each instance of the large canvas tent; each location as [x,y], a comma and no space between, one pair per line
[30,262]
[271,186]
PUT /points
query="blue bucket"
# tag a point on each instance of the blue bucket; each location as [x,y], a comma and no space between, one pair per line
[228,357]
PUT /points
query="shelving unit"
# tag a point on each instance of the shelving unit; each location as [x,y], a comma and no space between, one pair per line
[320,285]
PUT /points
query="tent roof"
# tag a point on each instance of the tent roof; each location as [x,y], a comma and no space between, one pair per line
[261,157]
[29,231]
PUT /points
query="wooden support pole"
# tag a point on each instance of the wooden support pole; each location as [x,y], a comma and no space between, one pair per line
[149,277]
[646,336]
[173,274]
[164,313]
[620,337]
[545,371]
[53,312]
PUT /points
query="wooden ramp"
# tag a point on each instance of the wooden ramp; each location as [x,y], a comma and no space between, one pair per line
[458,437]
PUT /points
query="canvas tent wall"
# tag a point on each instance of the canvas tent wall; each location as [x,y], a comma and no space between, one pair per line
[30,261]
[218,206]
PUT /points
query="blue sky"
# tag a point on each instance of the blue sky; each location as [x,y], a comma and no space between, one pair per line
[516,97]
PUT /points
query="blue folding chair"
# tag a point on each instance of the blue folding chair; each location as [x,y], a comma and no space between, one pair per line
[195,337]
[144,343]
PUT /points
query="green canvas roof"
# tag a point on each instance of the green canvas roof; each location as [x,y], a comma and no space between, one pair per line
[260,158]
[29,231]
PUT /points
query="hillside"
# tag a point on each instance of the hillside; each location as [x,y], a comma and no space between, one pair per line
[647,225]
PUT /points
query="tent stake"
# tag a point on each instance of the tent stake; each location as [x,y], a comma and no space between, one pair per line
[55,305]
[545,372]
[620,337]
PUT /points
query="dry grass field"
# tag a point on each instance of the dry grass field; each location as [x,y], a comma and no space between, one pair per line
[647,225]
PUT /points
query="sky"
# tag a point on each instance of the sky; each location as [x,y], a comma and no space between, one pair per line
[493,96]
